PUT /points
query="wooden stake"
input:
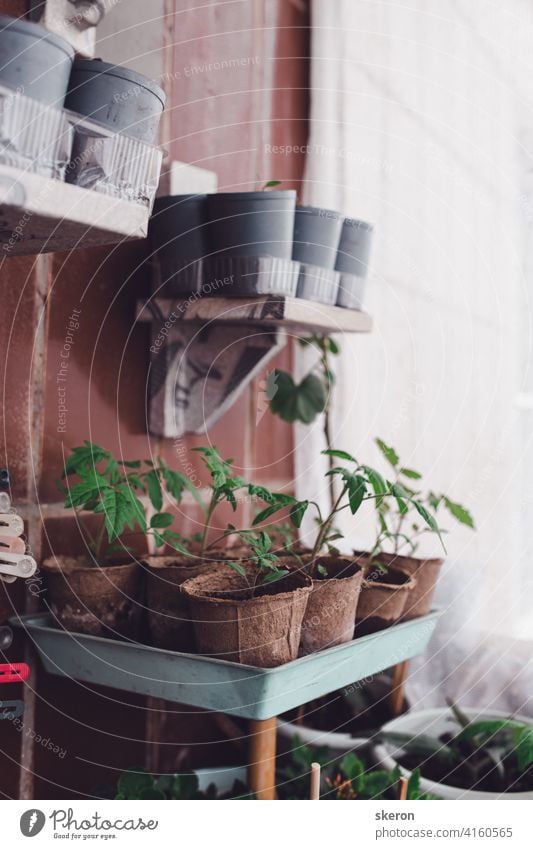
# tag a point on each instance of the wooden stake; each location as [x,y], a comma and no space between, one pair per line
[403,786]
[315,781]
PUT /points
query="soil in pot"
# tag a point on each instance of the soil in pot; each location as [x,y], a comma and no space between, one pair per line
[251,223]
[169,619]
[383,598]
[119,98]
[231,623]
[100,600]
[330,615]
[425,572]
[316,236]
[35,62]
[178,235]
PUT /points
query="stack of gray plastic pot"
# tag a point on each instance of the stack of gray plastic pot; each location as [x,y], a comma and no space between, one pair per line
[333,252]
[316,237]
[236,244]
[83,121]
[115,113]
[35,68]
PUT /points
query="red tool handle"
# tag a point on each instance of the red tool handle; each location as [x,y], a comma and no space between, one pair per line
[11,673]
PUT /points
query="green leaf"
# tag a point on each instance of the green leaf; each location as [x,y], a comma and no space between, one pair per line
[133,783]
[238,567]
[161,520]
[131,464]
[87,455]
[523,740]
[356,490]
[341,455]
[185,786]
[154,489]
[271,183]
[377,782]
[459,512]
[388,452]
[426,515]
[354,769]
[332,345]
[298,402]
[275,575]
[410,473]
[298,512]
[322,570]
[376,482]
[400,495]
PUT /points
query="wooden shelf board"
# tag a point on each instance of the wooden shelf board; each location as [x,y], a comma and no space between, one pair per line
[40,215]
[268,310]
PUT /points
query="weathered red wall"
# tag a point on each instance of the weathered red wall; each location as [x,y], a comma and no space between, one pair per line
[222,120]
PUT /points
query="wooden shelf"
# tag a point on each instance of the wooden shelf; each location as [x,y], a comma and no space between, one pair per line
[40,215]
[268,310]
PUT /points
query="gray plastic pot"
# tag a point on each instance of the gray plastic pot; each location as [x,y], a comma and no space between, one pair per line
[316,236]
[251,223]
[354,247]
[117,97]
[35,62]
[178,236]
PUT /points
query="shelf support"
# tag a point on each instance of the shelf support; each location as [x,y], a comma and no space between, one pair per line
[198,371]
[262,759]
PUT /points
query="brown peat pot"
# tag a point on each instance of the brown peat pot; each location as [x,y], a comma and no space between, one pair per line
[384,597]
[330,615]
[100,600]
[425,572]
[231,623]
[169,620]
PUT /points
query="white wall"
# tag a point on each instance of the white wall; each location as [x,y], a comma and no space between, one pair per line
[422,124]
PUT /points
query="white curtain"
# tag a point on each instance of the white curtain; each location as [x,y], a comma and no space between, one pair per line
[422,123]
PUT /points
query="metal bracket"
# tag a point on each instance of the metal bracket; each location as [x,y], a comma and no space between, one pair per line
[75,20]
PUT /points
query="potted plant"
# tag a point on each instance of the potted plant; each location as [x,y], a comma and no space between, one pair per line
[400,529]
[250,611]
[350,777]
[338,585]
[100,592]
[169,618]
[462,753]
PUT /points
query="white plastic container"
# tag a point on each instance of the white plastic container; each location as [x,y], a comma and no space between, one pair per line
[433,723]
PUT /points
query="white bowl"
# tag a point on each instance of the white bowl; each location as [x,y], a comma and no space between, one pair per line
[433,723]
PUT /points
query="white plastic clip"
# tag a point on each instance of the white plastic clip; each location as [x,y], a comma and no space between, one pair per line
[5,502]
[11,524]
[17,565]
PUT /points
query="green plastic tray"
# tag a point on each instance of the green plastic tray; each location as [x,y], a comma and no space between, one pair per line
[220,685]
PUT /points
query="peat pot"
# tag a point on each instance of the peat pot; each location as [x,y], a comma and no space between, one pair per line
[330,614]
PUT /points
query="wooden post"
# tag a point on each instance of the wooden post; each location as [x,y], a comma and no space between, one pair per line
[315,782]
[403,787]
[262,759]
[397,695]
